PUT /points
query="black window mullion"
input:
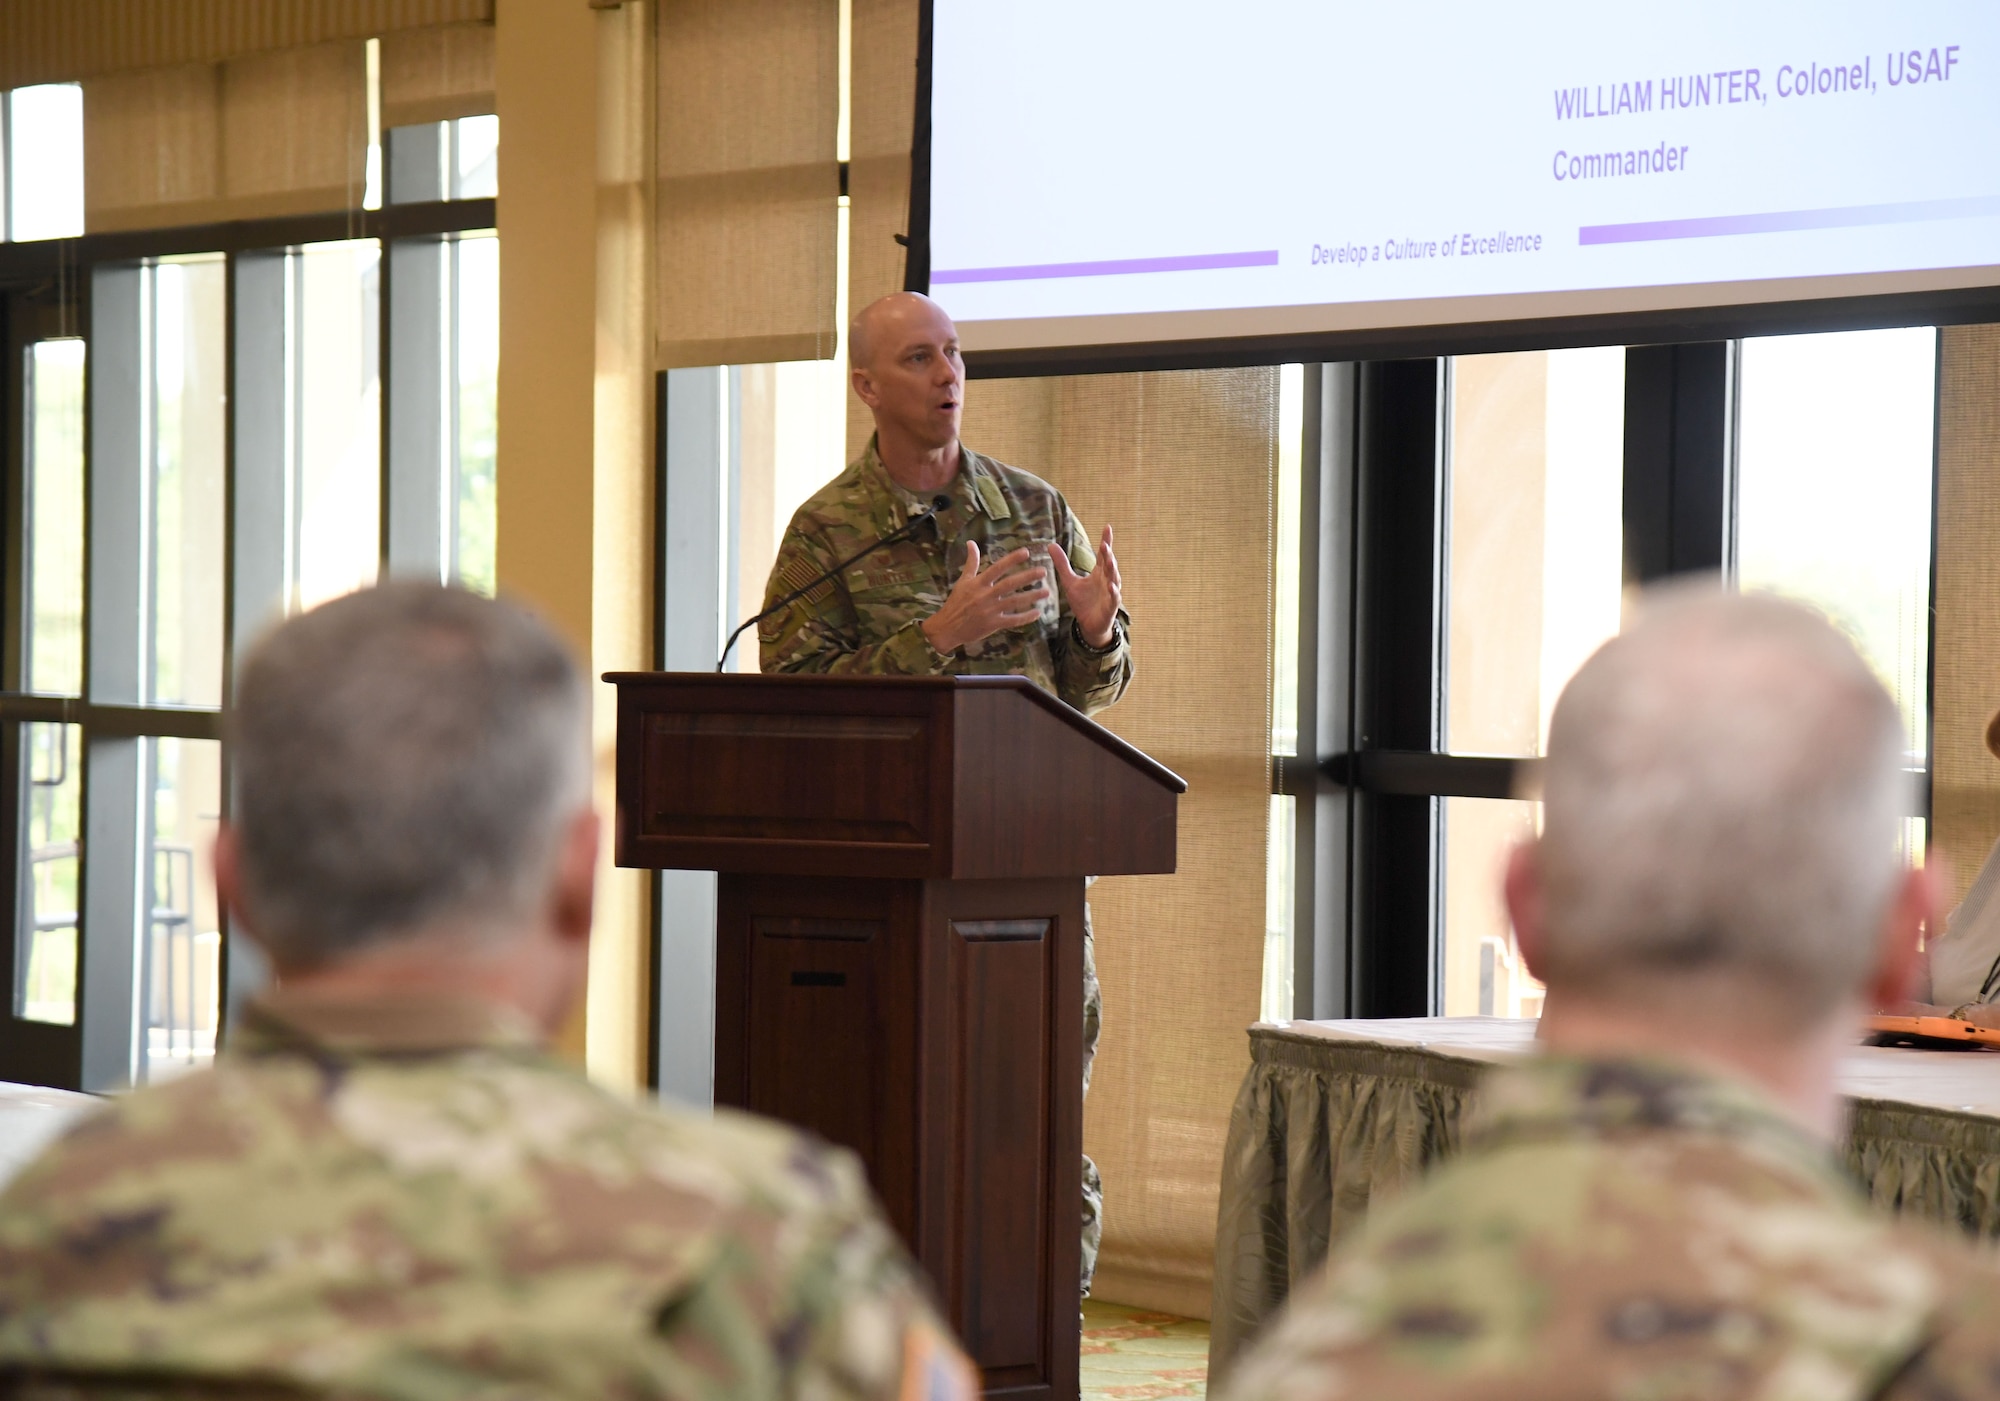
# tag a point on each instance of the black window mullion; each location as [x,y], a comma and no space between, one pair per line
[1393,838]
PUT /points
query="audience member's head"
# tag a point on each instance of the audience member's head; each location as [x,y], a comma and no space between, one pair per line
[1722,796]
[412,841]
[410,764]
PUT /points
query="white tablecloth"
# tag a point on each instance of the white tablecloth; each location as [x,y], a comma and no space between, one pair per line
[1965,1081]
[29,1117]
[1332,1113]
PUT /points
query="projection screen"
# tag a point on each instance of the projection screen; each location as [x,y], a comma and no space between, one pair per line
[1128,171]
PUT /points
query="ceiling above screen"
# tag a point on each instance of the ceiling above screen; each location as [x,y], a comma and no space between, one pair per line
[1127,172]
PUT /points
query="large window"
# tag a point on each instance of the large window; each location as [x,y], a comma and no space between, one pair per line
[333,414]
[1533,466]
[1833,498]
[1829,502]
[197,441]
[1281,864]
[182,424]
[445,359]
[1491,517]
[47,757]
[473,457]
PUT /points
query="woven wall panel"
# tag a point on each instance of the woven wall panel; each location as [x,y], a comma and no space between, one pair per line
[153,140]
[295,128]
[59,41]
[1182,464]
[1965,792]
[747,202]
[437,75]
[262,136]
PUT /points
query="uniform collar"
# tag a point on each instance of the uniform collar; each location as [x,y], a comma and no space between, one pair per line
[975,488]
[282,1019]
[1570,1097]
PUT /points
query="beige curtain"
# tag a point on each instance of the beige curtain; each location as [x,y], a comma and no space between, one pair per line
[1965,792]
[883,83]
[268,134]
[749,102]
[437,75]
[1182,465]
[61,41]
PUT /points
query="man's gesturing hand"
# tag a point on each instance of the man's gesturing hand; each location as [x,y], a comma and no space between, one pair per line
[1093,597]
[1007,595]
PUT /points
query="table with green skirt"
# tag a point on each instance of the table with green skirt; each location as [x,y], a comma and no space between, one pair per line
[1333,1113]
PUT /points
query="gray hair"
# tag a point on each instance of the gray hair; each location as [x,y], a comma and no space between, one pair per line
[1721,799]
[402,756]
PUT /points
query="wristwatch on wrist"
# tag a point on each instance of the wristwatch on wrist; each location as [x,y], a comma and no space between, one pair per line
[1117,636]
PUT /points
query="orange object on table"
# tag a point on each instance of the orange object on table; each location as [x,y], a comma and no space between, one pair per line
[1930,1033]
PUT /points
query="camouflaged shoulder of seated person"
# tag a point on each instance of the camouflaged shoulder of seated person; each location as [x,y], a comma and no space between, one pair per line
[1656,1263]
[428,1228]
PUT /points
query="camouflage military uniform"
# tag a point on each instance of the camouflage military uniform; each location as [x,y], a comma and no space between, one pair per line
[1622,1229]
[867,622]
[404,1198]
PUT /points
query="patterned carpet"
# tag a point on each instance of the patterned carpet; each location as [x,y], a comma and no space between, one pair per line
[1132,1355]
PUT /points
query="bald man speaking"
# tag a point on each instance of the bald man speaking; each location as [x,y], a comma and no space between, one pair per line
[1004,582]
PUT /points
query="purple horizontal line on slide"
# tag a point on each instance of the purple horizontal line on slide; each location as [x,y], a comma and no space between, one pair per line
[1851,217]
[1192,262]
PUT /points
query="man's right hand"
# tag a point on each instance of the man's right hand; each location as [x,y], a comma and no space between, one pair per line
[1008,594]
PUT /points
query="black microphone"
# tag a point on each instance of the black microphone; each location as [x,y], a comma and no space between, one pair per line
[938,503]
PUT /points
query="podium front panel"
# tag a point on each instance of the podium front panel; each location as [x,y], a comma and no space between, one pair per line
[789,780]
[816,1017]
[1002,1058]
[935,1028]
[1001,971]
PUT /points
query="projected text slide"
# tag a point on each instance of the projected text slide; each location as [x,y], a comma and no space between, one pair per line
[1117,158]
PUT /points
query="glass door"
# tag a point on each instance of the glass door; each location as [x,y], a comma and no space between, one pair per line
[41,685]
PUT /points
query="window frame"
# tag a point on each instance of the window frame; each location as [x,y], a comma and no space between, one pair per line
[1371,773]
[54,280]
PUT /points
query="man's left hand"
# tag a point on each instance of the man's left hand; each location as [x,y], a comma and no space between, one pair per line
[1093,597]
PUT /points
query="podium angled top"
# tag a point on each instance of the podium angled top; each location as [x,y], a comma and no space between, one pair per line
[968,777]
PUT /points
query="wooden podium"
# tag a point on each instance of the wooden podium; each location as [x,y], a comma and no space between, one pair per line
[899,948]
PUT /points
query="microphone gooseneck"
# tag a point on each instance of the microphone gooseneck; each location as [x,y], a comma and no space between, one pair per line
[940,502]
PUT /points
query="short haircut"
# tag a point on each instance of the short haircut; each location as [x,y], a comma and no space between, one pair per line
[402,757]
[1722,795]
